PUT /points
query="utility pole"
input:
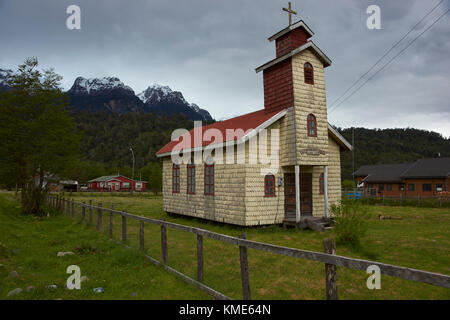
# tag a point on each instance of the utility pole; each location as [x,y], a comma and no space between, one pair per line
[353,154]
[132,171]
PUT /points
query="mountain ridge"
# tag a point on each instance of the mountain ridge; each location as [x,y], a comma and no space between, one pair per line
[112,95]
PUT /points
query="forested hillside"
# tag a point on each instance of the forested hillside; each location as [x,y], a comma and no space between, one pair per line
[384,146]
[107,137]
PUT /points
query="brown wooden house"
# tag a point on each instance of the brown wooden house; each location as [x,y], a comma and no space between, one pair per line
[425,177]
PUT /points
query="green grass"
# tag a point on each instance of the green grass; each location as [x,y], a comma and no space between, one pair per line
[420,239]
[30,245]
[407,202]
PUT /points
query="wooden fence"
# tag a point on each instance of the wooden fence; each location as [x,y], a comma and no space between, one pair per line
[329,257]
[438,200]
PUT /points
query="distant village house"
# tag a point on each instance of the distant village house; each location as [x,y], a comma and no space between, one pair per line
[115,183]
[425,177]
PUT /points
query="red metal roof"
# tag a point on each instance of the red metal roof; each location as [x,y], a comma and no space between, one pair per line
[245,122]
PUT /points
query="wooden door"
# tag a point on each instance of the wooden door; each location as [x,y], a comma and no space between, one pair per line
[289,195]
[305,194]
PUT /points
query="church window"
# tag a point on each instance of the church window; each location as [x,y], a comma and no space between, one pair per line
[209,179]
[321,184]
[176,178]
[191,178]
[269,185]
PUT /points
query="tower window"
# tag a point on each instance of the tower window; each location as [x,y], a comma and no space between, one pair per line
[309,73]
[312,125]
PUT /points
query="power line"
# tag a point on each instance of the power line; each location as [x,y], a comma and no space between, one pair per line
[393,58]
[385,54]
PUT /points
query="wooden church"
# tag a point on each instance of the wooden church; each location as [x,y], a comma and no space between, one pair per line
[307,176]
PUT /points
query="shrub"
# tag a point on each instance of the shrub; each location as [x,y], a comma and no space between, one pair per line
[348,184]
[350,222]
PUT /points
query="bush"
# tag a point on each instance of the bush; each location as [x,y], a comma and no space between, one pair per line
[350,222]
[348,184]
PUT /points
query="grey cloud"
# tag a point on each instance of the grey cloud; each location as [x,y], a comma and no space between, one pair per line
[208,50]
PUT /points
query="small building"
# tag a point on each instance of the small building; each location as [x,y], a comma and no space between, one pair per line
[69,185]
[275,165]
[115,183]
[425,177]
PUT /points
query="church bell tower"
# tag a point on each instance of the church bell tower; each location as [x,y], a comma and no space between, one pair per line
[295,80]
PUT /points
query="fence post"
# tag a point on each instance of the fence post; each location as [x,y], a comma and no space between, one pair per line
[111,222]
[67,206]
[90,212]
[244,270]
[124,228]
[164,244]
[200,258]
[330,271]
[141,235]
[73,208]
[83,210]
[99,217]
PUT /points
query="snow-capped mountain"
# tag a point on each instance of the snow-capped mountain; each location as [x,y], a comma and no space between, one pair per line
[111,94]
[3,75]
[94,85]
[155,93]
[162,99]
[108,93]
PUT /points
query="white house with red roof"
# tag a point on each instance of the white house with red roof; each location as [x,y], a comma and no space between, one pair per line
[280,164]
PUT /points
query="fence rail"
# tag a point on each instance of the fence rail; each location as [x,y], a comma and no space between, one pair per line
[329,257]
[436,200]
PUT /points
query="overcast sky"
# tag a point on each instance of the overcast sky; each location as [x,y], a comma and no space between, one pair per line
[208,50]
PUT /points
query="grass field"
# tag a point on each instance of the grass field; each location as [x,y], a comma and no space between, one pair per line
[420,239]
[29,246]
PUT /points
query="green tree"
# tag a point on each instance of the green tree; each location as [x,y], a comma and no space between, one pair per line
[153,174]
[38,137]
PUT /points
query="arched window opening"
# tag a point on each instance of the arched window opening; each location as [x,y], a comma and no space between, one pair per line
[312,125]
[309,73]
